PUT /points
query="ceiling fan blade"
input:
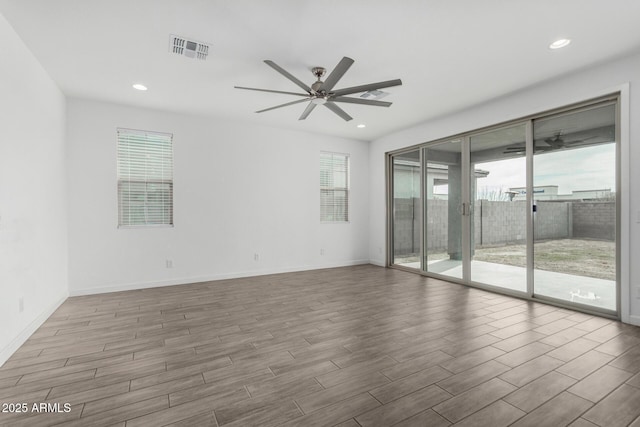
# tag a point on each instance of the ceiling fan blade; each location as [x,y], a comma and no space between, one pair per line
[367,88]
[272,91]
[307,111]
[337,74]
[282,105]
[287,75]
[360,101]
[339,111]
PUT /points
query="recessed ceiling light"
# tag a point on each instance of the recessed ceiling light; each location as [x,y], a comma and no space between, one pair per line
[560,43]
[361,125]
[138,86]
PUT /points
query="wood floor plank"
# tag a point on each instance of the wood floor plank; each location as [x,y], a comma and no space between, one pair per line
[473,400]
[337,413]
[524,354]
[343,346]
[465,380]
[206,419]
[341,375]
[573,349]
[498,414]
[417,364]
[403,408]
[618,409]
[123,413]
[629,360]
[163,389]
[425,418]
[618,345]
[357,385]
[93,394]
[583,365]
[409,384]
[531,370]
[196,411]
[600,383]
[162,377]
[539,391]
[472,359]
[559,411]
[90,384]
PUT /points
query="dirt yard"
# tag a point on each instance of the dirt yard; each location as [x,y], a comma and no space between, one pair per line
[590,258]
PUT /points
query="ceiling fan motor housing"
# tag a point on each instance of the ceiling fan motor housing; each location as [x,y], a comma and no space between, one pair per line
[318,71]
[322,93]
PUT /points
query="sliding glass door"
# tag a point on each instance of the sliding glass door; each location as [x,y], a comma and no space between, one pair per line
[499,209]
[407,218]
[443,206]
[530,208]
[574,192]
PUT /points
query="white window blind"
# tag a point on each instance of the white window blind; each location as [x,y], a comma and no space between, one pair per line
[145,178]
[334,187]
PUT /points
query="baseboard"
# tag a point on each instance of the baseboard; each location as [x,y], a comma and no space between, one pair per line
[208,278]
[23,336]
[634,320]
[377,263]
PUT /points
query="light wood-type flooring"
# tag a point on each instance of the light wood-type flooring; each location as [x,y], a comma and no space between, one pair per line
[353,346]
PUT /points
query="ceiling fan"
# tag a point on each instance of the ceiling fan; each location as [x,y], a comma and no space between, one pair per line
[555,142]
[322,93]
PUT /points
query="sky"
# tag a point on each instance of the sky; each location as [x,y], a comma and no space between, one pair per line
[586,168]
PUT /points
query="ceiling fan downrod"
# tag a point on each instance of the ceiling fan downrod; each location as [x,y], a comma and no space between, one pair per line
[318,72]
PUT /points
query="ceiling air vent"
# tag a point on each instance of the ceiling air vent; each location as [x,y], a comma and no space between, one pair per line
[374,95]
[189,48]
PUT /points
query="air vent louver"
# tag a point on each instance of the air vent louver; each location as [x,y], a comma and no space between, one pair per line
[374,95]
[190,48]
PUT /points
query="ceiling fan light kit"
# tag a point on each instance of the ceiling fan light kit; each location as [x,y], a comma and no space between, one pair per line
[322,93]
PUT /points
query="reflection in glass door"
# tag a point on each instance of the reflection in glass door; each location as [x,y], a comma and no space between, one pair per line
[443,205]
[499,210]
[407,218]
[574,191]
[531,208]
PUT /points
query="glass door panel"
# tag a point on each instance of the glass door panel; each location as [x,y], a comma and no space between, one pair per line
[497,184]
[407,216]
[443,204]
[574,191]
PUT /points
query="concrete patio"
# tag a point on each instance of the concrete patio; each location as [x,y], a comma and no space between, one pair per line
[568,287]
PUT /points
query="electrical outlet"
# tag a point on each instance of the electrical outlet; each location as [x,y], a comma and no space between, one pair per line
[256,257]
[321,251]
[169,263]
[20,304]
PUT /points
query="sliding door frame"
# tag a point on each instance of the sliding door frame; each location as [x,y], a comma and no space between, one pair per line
[621,181]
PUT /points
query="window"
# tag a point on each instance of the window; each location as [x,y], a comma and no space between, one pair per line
[145,178]
[334,187]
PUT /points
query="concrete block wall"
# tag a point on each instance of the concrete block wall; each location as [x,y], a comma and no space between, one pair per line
[500,222]
[406,226]
[437,230]
[552,220]
[594,220]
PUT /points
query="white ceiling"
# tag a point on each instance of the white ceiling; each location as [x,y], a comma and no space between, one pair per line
[450,54]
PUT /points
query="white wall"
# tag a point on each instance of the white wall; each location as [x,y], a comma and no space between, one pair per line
[33,233]
[239,189]
[621,74]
